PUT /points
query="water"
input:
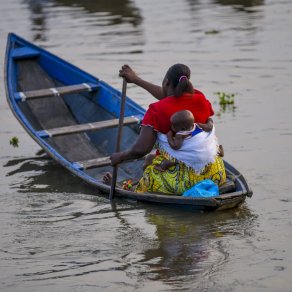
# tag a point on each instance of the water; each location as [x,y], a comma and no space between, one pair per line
[58,234]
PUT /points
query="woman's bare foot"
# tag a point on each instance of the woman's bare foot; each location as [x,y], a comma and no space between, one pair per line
[107,178]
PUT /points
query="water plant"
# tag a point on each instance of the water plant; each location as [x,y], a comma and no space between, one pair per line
[14,141]
[226,100]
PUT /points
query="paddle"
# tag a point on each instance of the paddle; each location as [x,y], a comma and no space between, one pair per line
[119,138]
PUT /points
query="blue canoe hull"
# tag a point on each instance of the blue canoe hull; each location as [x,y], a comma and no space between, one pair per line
[31,73]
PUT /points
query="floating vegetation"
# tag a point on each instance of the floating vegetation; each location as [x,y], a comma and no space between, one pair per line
[226,98]
[212,31]
[226,101]
[14,141]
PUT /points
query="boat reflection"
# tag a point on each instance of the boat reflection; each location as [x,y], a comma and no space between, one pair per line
[186,244]
[192,244]
[42,175]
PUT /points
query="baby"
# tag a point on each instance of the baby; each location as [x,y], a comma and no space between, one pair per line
[182,127]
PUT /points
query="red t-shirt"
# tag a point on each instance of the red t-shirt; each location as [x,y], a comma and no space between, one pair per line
[159,113]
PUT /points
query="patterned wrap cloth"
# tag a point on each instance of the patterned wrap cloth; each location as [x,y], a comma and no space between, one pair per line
[178,178]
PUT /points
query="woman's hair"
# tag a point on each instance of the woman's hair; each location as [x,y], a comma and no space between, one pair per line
[179,76]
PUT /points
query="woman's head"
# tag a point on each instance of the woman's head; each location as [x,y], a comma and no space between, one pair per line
[177,79]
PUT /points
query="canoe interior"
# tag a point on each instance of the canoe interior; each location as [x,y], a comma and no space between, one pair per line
[29,68]
[73,109]
[39,72]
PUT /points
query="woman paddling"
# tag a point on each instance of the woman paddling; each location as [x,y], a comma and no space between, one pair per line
[176,94]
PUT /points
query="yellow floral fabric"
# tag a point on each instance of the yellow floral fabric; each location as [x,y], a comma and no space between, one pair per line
[177,179]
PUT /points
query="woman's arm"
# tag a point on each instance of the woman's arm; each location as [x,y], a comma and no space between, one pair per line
[143,145]
[131,77]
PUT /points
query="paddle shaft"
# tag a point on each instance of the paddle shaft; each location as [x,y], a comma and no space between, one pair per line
[119,138]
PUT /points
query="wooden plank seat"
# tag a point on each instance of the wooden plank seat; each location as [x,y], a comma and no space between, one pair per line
[92,163]
[97,162]
[79,128]
[57,91]
[24,53]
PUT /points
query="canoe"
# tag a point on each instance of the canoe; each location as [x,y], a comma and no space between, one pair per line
[73,116]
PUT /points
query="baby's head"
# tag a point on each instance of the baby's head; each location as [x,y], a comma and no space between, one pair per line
[182,121]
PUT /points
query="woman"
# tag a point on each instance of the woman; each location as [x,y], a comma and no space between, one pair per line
[176,94]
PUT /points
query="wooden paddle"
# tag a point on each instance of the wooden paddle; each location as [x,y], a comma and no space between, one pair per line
[119,138]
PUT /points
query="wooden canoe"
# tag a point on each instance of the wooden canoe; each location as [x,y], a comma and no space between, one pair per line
[73,116]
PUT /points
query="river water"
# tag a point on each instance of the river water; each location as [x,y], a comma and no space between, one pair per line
[58,234]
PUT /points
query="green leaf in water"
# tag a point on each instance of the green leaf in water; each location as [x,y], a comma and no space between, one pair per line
[14,141]
[226,101]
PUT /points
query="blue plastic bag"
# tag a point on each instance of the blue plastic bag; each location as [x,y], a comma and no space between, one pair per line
[204,189]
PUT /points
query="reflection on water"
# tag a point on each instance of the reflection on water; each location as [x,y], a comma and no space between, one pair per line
[41,174]
[238,5]
[106,13]
[137,240]
[242,3]
[121,241]
[123,11]
[189,244]
[38,18]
